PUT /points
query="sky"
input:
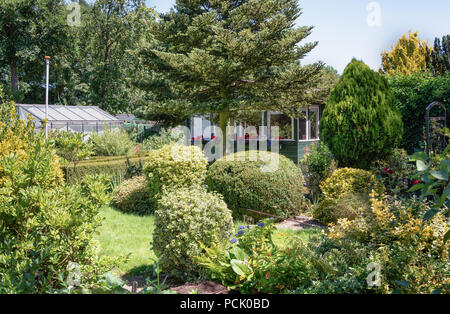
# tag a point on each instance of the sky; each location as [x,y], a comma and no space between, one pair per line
[361,28]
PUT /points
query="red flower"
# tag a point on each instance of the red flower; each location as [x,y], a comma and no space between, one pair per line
[415,182]
[388,171]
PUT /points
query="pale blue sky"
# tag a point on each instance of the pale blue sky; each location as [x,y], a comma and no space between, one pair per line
[343,32]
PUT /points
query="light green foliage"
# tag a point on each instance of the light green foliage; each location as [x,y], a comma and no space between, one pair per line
[348,180]
[345,192]
[118,168]
[115,142]
[412,253]
[174,166]
[186,217]
[71,147]
[165,137]
[359,123]
[132,196]
[347,206]
[45,226]
[317,166]
[245,186]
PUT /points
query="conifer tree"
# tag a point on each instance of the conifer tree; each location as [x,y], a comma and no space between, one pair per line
[438,59]
[358,124]
[223,56]
[407,57]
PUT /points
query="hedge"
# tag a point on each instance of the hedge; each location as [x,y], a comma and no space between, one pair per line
[117,167]
[412,95]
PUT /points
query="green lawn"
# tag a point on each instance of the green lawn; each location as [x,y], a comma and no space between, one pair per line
[123,234]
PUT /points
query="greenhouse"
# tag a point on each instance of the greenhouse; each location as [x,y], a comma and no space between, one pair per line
[85,119]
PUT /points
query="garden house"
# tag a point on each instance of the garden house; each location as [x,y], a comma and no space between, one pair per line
[86,119]
[295,134]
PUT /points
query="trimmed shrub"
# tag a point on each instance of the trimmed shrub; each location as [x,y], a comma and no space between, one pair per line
[118,168]
[114,142]
[317,166]
[174,166]
[358,124]
[412,95]
[132,196]
[347,180]
[245,186]
[185,218]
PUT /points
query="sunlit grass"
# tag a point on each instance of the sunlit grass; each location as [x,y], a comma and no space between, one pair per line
[123,234]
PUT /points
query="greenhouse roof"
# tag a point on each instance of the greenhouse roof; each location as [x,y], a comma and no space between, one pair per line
[58,113]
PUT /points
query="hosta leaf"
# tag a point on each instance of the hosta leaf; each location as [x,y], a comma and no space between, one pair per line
[421,166]
[440,175]
[241,268]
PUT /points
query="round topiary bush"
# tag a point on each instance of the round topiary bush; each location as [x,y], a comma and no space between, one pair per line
[245,185]
[132,196]
[184,219]
[174,166]
[358,123]
[350,181]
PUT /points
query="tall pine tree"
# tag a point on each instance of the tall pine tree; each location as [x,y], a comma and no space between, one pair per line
[223,56]
[438,59]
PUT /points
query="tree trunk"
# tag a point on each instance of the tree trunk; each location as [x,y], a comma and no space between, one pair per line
[14,78]
[224,116]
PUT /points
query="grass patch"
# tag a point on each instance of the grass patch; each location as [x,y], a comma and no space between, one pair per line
[281,237]
[123,234]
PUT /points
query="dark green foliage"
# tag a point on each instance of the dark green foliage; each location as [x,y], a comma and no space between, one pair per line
[412,95]
[223,56]
[316,166]
[358,124]
[245,186]
[438,59]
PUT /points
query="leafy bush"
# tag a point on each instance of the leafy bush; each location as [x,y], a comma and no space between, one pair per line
[174,166]
[395,172]
[115,142]
[45,226]
[252,263]
[184,218]
[412,95]
[132,196]
[165,137]
[350,181]
[329,211]
[344,193]
[412,253]
[317,166]
[245,186]
[358,124]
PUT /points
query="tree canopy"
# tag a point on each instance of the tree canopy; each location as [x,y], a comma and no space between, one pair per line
[222,56]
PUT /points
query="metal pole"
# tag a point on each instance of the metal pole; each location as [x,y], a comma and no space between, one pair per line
[47,63]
